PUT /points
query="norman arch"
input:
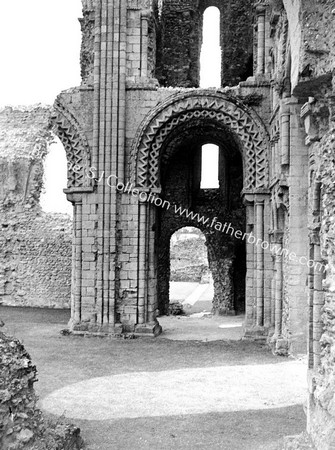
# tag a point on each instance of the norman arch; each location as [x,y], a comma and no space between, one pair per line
[77,149]
[78,156]
[202,105]
[180,123]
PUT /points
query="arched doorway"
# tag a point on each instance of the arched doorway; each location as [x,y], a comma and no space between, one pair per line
[206,208]
[167,162]
[191,284]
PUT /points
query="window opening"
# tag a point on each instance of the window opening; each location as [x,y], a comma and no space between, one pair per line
[210,58]
[53,198]
[209,166]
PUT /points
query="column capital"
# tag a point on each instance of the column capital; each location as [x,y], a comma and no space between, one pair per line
[75,194]
[260,10]
[261,197]
[146,14]
[260,6]
[314,237]
[277,236]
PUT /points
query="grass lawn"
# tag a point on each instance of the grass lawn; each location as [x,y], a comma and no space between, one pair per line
[67,360]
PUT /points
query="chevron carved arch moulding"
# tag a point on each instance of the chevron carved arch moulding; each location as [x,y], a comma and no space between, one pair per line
[78,155]
[209,106]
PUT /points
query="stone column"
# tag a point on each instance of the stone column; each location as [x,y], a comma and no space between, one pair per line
[278,286]
[259,213]
[108,149]
[147,296]
[250,286]
[260,11]
[78,288]
[268,263]
[145,16]
[310,283]
[318,302]
[274,154]
[77,264]
[274,221]
[142,263]
[152,273]
[285,137]
[273,296]
[297,241]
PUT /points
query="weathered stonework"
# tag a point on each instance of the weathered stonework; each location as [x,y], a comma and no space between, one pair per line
[22,425]
[188,256]
[133,146]
[180,38]
[321,418]
[125,201]
[35,256]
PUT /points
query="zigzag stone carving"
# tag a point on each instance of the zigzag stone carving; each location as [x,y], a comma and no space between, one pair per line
[215,107]
[67,128]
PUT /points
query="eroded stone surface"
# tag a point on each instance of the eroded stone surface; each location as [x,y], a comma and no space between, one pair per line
[22,425]
[133,145]
[35,247]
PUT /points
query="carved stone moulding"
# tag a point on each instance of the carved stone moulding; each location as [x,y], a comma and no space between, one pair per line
[76,146]
[201,105]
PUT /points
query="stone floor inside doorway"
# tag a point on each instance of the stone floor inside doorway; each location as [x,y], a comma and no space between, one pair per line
[198,323]
[164,393]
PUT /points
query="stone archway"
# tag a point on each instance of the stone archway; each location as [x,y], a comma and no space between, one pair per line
[78,155]
[201,104]
[149,150]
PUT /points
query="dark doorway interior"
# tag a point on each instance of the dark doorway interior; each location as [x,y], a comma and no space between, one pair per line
[217,211]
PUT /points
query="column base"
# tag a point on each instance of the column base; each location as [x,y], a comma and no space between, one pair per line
[256,333]
[225,312]
[95,329]
[301,441]
[88,328]
[148,329]
[278,345]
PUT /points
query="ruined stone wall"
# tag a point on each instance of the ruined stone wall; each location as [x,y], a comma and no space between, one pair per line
[283,345]
[36,254]
[179,42]
[313,68]
[172,49]
[112,228]
[22,425]
[188,256]
[312,39]
[318,51]
[321,412]
[18,400]
[36,259]
[180,39]
[87,45]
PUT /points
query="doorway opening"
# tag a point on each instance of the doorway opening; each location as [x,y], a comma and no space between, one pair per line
[191,283]
[202,176]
